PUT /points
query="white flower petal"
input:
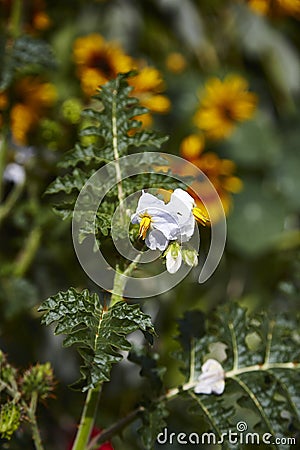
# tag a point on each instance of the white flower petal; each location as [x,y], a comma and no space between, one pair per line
[184,197]
[156,240]
[181,204]
[212,379]
[173,262]
[162,219]
[147,201]
[135,218]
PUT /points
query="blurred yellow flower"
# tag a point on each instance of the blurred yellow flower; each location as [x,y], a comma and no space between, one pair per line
[276,7]
[223,104]
[219,171]
[99,60]
[147,87]
[176,62]
[191,146]
[41,21]
[34,97]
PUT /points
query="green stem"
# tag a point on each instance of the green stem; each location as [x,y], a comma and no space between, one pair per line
[116,151]
[87,419]
[115,428]
[92,399]
[11,200]
[28,252]
[33,422]
[3,152]
[120,281]
[16,15]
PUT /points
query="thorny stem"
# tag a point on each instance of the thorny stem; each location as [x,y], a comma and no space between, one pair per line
[115,149]
[92,399]
[11,200]
[3,151]
[16,17]
[33,422]
[121,279]
[87,419]
[28,252]
[172,393]
[91,403]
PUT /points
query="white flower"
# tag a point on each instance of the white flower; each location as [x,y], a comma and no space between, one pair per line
[15,173]
[183,205]
[212,379]
[158,225]
[173,257]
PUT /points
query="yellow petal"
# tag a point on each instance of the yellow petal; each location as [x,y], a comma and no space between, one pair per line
[144,226]
[200,216]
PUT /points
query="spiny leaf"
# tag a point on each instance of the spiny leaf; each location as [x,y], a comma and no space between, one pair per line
[150,368]
[261,359]
[98,333]
[68,183]
[27,53]
[81,154]
[153,420]
[114,127]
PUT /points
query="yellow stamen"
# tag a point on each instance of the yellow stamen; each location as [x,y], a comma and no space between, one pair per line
[144,226]
[200,216]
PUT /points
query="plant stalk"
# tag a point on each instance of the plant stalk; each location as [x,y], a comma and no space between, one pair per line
[27,254]
[16,15]
[120,281]
[3,151]
[87,419]
[33,422]
[11,200]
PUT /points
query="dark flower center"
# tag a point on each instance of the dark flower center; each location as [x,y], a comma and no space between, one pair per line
[102,63]
[227,112]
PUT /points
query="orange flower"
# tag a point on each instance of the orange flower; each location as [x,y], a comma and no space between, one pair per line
[176,62]
[276,7]
[34,97]
[99,61]
[192,146]
[219,171]
[147,86]
[223,104]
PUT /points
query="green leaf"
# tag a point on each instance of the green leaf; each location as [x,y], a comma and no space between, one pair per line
[98,333]
[153,420]
[81,154]
[261,360]
[114,130]
[150,368]
[68,183]
[28,54]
